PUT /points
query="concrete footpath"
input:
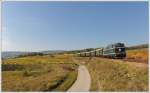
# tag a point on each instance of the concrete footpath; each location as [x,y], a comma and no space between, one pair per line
[83,82]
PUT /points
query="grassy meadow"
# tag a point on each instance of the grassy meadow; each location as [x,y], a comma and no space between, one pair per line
[58,72]
[38,73]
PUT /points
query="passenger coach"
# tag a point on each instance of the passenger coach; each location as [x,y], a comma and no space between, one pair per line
[116,50]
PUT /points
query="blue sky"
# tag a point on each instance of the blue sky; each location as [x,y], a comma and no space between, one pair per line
[34,26]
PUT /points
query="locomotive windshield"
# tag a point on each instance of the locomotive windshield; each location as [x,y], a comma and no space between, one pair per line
[119,45]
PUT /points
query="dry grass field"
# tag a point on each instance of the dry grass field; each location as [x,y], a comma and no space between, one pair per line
[38,73]
[138,55]
[113,75]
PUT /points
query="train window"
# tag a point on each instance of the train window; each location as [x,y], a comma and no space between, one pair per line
[109,46]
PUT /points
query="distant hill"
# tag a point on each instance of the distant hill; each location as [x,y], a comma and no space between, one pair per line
[12,54]
[52,51]
[137,46]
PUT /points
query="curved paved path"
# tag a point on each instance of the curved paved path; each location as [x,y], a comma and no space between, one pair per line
[83,82]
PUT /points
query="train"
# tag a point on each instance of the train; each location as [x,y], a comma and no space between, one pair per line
[116,50]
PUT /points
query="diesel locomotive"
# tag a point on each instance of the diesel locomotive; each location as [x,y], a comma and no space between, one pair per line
[116,50]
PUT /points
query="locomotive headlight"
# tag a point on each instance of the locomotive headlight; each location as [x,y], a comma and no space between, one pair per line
[119,49]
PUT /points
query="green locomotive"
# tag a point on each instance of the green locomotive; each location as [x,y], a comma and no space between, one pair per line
[116,50]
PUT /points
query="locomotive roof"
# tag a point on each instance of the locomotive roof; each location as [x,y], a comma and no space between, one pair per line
[115,45]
